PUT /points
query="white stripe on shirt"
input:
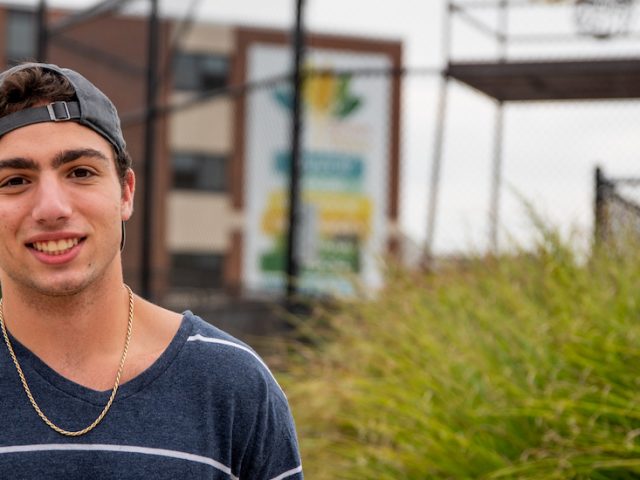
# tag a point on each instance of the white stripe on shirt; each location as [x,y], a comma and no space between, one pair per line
[200,338]
[288,473]
[119,448]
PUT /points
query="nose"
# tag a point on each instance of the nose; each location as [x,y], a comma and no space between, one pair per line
[52,204]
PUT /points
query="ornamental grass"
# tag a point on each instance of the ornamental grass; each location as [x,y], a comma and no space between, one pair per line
[525,366]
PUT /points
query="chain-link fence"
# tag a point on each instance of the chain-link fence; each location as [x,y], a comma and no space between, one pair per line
[617,212]
[426,129]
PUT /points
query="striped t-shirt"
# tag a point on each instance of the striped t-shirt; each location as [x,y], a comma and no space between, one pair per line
[208,408]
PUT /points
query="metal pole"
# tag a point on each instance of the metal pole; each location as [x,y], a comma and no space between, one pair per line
[503,33]
[149,149]
[496,178]
[600,213]
[293,266]
[434,185]
[496,171]
[43,34]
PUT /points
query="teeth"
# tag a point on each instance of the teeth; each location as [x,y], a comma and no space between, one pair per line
[55,247]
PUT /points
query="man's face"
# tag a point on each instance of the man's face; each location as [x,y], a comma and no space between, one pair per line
[61,207]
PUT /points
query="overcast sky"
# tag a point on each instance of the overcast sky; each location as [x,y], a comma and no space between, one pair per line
[549,149]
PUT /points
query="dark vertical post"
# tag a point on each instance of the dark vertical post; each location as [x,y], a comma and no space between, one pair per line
[600,220]
[293,268]
[43,34]
[149,149]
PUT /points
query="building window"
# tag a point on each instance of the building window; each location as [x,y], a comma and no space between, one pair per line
[20,36]
[199,171]
[200,71]
[197,270]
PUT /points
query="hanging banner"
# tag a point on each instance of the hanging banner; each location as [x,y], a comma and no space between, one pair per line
[346,177]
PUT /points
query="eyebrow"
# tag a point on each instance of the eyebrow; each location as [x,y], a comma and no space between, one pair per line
[67,156]
[18,163]
[62,158]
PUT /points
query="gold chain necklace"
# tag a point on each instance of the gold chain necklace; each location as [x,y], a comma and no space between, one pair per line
[27,390]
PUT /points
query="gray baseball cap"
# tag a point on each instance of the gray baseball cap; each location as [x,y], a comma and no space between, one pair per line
[92,108]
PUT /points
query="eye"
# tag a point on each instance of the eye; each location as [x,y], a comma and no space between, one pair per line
[81,172]
[14,182]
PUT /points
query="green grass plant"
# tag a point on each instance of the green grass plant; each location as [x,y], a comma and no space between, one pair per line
[525,366]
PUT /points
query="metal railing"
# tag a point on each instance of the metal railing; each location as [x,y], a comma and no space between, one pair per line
[617,216]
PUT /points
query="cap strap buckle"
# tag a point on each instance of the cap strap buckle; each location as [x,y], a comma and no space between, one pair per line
[58,111]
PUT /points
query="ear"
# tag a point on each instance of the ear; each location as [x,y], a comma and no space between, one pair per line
[128,190]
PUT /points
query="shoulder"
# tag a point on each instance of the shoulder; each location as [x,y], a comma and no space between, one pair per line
[247,401]
[226,360]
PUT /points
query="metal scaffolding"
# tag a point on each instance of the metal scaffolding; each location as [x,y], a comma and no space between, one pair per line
[506,80]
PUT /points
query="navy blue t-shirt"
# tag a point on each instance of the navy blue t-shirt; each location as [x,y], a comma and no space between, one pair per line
[208,408]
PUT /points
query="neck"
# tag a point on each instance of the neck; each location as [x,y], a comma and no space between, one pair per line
[81,336]
[76,326]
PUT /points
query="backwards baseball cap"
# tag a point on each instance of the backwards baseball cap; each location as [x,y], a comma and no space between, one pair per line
[91,108]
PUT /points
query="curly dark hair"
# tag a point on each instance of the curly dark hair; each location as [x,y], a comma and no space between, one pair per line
[33,86]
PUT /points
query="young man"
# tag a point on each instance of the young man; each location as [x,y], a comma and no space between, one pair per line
[95,382]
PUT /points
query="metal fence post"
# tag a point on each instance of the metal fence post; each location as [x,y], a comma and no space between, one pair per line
[295,170]
[599,207]
[436,161]
[43,33]
[149,148]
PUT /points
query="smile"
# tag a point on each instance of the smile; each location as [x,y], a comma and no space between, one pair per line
[55,247]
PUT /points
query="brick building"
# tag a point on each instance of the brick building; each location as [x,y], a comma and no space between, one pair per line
[198,206]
